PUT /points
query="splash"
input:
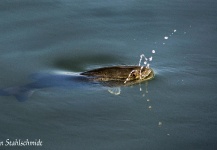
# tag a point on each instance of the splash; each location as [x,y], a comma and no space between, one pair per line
[145,94]
[146,60]
[128,78]
[140,72]
[167,37]
[143,59]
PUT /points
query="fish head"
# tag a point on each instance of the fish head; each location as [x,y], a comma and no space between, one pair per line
[140,73]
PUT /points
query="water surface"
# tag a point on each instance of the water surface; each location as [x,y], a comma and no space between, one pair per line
[176,110]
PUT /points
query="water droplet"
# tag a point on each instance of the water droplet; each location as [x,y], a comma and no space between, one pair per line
[166,37]
[150,59]
[141,56]
[153,51]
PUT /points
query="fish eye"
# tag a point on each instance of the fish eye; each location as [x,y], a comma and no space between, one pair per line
[133,74]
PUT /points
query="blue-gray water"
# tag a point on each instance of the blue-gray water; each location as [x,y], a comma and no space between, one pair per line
[177,110]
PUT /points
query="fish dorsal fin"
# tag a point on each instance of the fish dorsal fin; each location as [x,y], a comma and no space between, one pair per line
[115,91]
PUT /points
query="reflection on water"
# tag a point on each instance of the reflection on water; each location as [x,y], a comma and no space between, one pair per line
[83,62]
[46,80]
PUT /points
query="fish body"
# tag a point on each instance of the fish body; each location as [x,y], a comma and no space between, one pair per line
[123,75]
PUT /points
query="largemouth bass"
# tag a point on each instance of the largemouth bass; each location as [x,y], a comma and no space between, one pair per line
[111,77]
